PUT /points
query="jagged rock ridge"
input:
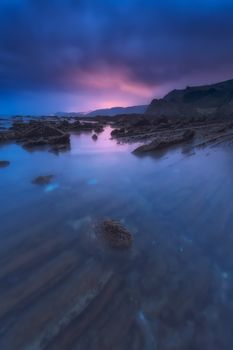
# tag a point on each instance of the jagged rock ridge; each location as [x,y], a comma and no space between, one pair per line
[214,100]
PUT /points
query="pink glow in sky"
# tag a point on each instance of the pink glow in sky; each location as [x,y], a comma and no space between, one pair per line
[109,79]
[81,55]
[108,88]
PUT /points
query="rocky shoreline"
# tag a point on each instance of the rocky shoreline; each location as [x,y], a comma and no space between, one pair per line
[54,133]
[154,134]
[203,112]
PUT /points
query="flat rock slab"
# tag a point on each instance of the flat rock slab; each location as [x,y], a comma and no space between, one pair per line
[163,142]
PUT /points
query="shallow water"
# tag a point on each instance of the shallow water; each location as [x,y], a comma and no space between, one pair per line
[62,289]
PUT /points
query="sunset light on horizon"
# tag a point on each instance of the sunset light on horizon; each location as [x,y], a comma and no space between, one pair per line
[82,55]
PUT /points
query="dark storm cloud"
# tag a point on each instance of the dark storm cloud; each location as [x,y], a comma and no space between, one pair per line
[49,45]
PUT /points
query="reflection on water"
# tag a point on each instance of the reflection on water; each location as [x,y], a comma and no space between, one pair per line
[61,289]
[84,144]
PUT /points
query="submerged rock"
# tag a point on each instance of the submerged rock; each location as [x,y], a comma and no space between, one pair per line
[98,129]
[164,142]
[94,137]
[114,234]
[43,180]
[4,163]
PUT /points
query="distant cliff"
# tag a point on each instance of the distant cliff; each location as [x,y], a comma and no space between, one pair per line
[108,112]
[209,101]
[118,110]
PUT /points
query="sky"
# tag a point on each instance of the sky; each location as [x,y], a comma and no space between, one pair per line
[80,55]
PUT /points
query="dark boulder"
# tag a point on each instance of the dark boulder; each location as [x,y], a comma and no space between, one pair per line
[114,234]
[42,130]
[42,135]
[43,180]
[98,129]
[4,163]
[94,137]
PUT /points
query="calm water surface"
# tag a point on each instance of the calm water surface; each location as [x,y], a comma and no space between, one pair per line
[62,289]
